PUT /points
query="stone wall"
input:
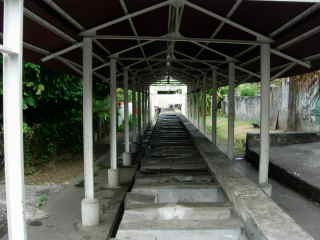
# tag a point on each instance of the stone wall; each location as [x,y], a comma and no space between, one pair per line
[295,104]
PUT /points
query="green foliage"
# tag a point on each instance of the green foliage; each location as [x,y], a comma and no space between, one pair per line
[248,89]
[101,109]
[52,104]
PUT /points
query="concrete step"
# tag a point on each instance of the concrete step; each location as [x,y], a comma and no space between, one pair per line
[227,229]
[182,193]
[168,178]
[182,211]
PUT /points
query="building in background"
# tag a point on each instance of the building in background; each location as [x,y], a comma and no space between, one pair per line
[168,96]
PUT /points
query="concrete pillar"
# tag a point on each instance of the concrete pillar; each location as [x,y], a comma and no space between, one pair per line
[214,107]
[113,172]
[89,205]
[264,118]
[145,109]
[193,103]
[13,118]
[134,117]
[139,113]
[231,111]
[126,156]
[198,105]
[204,105]
[149,107]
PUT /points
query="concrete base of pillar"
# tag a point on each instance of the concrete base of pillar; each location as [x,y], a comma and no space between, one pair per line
[113,178]
[266,188]
[90,212]
[126,159]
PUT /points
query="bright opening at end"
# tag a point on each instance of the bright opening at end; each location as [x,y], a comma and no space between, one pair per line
[168,97]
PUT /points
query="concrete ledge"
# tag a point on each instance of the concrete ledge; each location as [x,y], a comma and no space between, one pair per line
[263,218]
[290,176]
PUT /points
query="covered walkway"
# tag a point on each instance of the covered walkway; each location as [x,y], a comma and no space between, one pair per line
[133,44]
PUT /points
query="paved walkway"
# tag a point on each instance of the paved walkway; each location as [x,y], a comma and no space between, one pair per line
[305,212]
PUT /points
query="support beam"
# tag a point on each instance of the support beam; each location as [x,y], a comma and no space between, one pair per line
[61,52]
[89,205]
[113,173]
[231,110]
[227,21]
[13,118]
[126,17]
[126,156]
[170,38]
[214,108]
[264,118]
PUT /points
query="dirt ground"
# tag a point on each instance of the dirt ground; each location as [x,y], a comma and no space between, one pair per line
[57,172]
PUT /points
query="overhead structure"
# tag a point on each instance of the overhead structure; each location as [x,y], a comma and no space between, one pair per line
[143,42]
[178,42]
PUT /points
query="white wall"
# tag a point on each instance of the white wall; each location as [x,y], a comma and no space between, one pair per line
[165,100]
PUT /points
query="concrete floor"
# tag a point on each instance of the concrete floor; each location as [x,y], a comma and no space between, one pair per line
[305,212]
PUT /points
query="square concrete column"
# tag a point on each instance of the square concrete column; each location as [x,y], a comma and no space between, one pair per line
[214,107]
[113,172]
[13,118]
[126,156]
[264,118]
[231,111]
[89,205]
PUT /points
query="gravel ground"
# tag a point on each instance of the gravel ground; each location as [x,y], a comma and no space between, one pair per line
[36,197]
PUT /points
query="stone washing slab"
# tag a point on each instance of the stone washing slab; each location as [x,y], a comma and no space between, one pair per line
[177,193]
[296,166]
[173,178]
[191,211]
[229,229]
[263,218]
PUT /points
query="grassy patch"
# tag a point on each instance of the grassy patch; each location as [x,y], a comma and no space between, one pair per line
[42,200]
[241,129]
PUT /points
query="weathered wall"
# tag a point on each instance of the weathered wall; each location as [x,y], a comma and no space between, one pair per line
[305,103]
[248,108]
[295,104]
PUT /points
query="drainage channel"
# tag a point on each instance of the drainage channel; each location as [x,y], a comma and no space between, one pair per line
[174,195]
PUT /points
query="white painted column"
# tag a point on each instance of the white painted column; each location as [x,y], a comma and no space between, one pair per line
[13,118]
[193,103]
[139,112]
[113,173]
[198,104]
[204,105]
[231,110]
[126,156]
[264,118]
[89,205]
[134,116]
[143,109]
[214,107]
[188,103]
[148,107]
